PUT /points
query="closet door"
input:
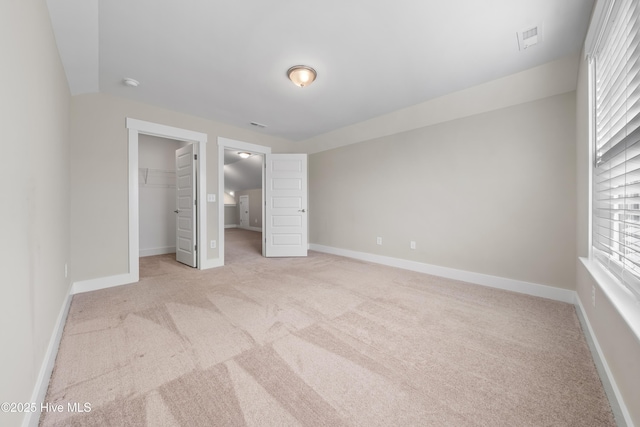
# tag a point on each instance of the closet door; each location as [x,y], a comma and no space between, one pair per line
[186,206]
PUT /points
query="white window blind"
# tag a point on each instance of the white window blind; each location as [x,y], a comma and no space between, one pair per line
[616,199]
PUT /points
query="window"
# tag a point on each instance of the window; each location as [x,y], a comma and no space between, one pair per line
[616,174]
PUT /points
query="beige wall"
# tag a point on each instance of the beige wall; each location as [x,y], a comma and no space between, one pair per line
[620,346]
[493,193]
[255,206]
[99,189]
[231,215]
[540,82]
[229,199]
[34,111]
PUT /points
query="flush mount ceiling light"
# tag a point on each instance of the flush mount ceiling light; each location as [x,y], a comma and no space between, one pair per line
[131,82]
[244,154]
[301,75]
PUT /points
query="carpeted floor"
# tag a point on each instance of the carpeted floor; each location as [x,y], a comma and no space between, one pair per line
[319,341]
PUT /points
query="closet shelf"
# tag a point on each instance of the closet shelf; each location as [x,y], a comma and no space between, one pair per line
[156,178]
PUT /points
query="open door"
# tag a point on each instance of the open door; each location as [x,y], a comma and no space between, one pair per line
[286,205]
[186,206]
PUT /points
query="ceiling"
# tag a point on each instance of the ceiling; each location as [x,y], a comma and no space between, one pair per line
[227,60]
[241,174]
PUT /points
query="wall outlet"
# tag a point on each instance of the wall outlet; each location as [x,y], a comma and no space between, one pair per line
[255,220]
[213,244]
[412,244]
[593,295]
[66,270]
[378,240]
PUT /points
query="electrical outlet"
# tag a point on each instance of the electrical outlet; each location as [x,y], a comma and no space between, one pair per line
[593,295]
[412,244]
[378,240]
[66,270]
[213,244]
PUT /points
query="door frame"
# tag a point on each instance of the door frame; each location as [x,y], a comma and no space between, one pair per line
[231,144]
[136,127]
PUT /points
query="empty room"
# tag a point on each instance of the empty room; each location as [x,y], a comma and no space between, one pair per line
[303,213]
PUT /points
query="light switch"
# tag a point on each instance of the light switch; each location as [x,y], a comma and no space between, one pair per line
[211,197]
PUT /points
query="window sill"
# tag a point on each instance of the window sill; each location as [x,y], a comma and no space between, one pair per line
[627,305]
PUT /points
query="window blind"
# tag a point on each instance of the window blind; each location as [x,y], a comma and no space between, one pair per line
[616,186]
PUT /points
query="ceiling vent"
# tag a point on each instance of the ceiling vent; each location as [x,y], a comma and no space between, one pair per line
[529,37]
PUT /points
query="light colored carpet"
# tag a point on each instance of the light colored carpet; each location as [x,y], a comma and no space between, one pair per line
[319,341]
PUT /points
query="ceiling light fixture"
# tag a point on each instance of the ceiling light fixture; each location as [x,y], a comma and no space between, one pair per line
[244,154]
[131,82]
[301,75]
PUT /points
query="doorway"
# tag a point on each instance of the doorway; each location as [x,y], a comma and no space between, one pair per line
[135,129]
[157,194]
[237,146]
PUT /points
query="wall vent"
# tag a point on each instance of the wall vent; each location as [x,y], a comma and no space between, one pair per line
[530,36]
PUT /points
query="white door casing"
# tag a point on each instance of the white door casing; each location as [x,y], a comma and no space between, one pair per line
[244,212]
[136,127]
[286,205]
[186,206]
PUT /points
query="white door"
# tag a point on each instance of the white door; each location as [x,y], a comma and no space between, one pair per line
[244,211]
[286,205]
[186,206]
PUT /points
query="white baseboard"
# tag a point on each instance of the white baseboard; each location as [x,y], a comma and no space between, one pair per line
[157,251]
[32,419]
[251,228]
[102,283]
[231,226]
[522,287]
[608,381]
[122,279]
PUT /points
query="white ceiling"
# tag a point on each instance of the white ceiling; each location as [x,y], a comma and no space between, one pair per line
[241,174]
[227,60]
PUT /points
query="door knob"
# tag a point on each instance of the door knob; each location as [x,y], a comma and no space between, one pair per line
[301,210]
[177,211]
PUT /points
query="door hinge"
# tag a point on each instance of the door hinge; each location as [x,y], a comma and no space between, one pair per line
[195,157]
[195,247]
[195,201]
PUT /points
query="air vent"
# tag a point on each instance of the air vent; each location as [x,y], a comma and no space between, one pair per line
[529,37]
[260,125]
